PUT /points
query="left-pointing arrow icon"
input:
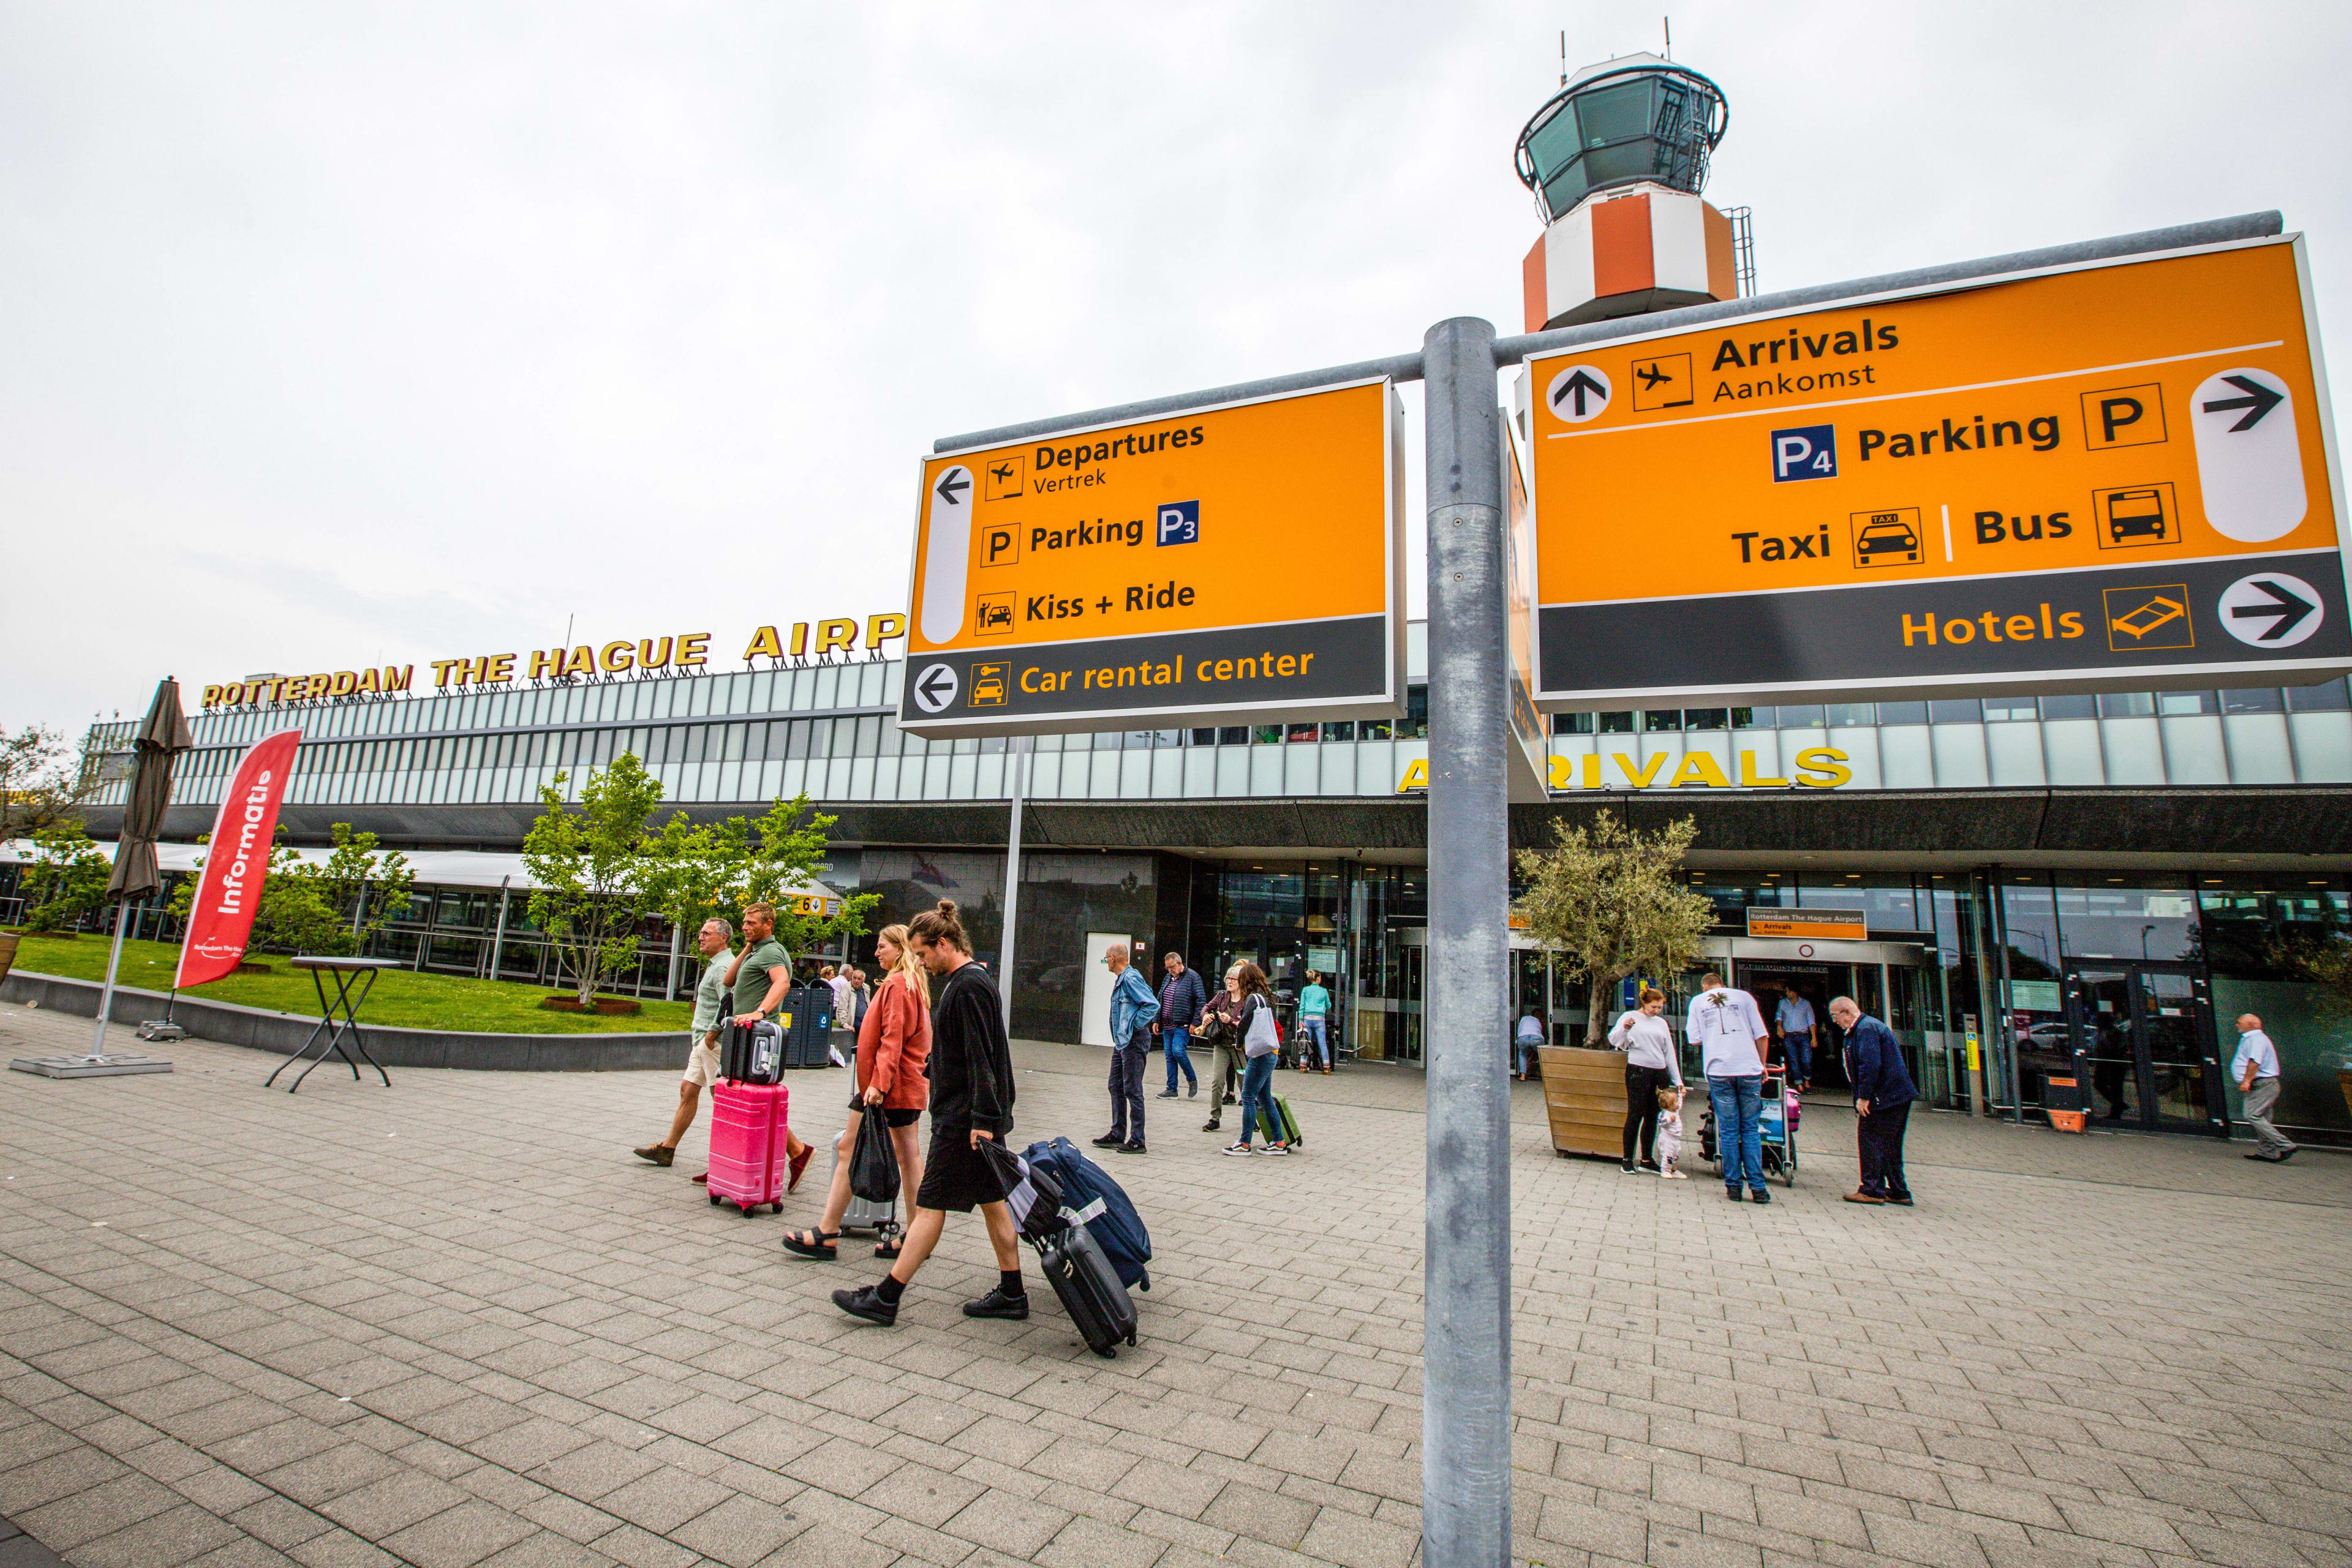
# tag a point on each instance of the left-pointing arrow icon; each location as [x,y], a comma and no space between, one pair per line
[935,688]
[951,486]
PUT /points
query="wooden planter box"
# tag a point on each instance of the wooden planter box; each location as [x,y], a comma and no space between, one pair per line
[7,953]
[1584,1096]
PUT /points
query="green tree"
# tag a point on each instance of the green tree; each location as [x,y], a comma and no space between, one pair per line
[1609,901]
[67,878]
[717,868]
[363,887]
[308,908]
[595,865]
[42,786]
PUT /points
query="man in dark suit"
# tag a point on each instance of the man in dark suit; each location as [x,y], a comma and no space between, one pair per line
[1882,1099]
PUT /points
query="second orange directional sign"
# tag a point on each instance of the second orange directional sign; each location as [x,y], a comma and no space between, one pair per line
[1220,562]
[2117,475]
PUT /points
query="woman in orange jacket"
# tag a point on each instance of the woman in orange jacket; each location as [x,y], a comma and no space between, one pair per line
[894,1047]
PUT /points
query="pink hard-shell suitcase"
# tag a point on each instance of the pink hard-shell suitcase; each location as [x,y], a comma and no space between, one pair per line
[746,1143]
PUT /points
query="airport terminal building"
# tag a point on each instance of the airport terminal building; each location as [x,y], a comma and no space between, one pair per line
[2087,887]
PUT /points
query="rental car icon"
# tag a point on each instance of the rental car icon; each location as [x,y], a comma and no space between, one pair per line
[1886,538]
[988,686]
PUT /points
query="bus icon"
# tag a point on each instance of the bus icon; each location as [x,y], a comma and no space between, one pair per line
[2139,515]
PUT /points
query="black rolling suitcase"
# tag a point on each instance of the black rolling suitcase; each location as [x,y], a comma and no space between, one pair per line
[1088,1287]
[751,1053]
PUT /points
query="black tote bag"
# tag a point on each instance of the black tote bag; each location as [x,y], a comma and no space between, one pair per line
[873,1160]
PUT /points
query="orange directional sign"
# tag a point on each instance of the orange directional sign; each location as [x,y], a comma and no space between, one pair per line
[1219,563]
[2115,476]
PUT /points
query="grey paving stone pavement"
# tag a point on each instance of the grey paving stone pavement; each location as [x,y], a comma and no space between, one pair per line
[456,1323]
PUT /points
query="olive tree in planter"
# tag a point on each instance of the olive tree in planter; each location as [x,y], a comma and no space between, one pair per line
[595,862]
[1608,900]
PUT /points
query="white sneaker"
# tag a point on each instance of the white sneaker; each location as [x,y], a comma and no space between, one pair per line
[1239,1148]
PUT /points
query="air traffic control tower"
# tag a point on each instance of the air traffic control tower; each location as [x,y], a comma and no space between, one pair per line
[1616,161]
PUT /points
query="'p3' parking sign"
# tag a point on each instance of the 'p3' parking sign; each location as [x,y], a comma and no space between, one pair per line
[1180,522]
[1808,452]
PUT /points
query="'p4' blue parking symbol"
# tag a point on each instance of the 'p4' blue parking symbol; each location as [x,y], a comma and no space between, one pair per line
[1808,452]
[1180,522]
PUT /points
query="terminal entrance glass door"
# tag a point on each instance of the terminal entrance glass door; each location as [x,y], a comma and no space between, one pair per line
[2144,1047]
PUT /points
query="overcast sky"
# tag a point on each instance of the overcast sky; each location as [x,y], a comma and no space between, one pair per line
[333,334]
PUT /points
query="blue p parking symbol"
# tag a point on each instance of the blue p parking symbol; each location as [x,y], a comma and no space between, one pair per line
[1180,522]
[1809,452]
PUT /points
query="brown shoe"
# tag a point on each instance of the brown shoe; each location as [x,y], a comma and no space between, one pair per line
[659,1153]
[1858,1197]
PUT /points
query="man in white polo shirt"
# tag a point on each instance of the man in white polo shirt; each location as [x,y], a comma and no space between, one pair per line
[2256,1070]
[1728,1029]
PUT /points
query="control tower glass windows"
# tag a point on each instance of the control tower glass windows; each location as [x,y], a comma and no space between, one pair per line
[1653,121]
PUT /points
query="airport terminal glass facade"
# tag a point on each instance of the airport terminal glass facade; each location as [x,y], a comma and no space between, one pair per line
[2126,974]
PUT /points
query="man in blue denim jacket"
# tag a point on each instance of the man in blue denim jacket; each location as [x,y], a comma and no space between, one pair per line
[1133,1008]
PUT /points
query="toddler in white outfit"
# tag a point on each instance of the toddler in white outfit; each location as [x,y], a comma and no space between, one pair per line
[1670,1136]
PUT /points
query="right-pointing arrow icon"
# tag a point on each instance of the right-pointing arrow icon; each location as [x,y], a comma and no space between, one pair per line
[2258,401]
[2286,608]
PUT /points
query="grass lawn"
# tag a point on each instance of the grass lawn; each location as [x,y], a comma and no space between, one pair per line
[401,999]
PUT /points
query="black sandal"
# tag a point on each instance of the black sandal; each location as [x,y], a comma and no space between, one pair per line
[816,1244]
[890,1247]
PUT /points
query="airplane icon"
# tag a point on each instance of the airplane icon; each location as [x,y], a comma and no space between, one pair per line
[1007,476]
[1664,381]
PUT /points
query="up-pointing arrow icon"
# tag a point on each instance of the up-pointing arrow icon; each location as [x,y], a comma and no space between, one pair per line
[1579,393]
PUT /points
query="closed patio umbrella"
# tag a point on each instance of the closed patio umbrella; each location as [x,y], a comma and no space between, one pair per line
[161,736]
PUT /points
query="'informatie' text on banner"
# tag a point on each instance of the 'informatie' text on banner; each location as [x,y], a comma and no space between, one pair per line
[2117,475]
[1221,564]
[237,862]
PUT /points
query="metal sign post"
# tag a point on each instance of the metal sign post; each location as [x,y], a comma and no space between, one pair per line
[1465,1421]
[1466,1333]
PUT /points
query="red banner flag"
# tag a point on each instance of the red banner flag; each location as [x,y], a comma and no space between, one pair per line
[237,862]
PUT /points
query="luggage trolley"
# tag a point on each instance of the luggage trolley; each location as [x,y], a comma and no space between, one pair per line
[1776,1125]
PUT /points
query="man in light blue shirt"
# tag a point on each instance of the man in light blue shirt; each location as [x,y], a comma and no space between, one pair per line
[702,1056]
[1133,1008]
[2255,1071]
[1314,1023]
[1795,1016]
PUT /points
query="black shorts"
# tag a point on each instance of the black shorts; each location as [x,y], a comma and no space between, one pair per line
[889,1118]
[957,1176]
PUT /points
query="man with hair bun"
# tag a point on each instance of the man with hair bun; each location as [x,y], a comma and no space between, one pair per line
[971,1104]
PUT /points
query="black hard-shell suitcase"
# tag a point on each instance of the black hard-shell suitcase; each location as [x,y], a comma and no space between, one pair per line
[751,1053]
[1088,1287]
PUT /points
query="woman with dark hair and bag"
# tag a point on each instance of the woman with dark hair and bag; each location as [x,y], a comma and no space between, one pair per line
[1260,1045]
[1650,1069]
[972,1108]
[894,1048]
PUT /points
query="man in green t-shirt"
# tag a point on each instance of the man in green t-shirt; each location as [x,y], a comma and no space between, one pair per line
[759,978]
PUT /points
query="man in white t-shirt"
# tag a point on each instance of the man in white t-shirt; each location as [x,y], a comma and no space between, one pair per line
[1728,1029]
[2256,1070]
[1795,1016]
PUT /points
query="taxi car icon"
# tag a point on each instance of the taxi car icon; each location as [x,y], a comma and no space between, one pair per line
[1887,538]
